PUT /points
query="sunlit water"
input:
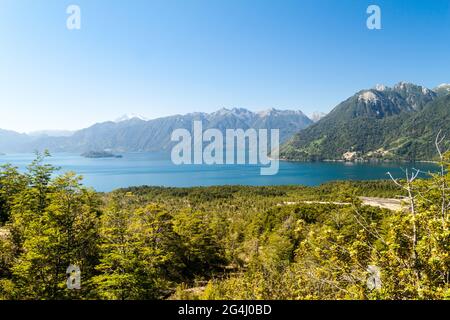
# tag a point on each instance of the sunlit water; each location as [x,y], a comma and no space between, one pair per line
[156,169]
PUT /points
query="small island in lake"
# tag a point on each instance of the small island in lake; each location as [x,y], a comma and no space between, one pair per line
[100,154]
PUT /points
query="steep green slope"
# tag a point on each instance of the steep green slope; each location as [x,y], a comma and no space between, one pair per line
[414,140]
[387,123]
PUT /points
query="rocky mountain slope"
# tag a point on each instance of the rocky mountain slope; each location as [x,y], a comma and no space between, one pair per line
[379,123]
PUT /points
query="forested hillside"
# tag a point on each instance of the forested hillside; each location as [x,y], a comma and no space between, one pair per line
[231,242]
[382,123]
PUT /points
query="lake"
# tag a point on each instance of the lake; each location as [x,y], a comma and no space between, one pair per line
[156,169]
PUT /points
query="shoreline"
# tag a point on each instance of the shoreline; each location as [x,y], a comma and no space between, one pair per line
[359,161]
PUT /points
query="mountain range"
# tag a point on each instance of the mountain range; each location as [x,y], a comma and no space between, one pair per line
[132,133]
[389,123]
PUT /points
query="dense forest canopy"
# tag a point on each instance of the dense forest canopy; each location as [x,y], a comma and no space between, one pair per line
[230,242]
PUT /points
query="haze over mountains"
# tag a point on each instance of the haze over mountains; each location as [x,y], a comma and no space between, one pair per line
[132,133]
[316,116]
[385,123]
[51,133]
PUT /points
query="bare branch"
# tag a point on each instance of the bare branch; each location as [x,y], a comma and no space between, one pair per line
[395,181]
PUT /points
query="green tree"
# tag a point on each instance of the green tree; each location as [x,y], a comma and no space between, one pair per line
[11,183]
[200,252]
[62,233]
[137,251]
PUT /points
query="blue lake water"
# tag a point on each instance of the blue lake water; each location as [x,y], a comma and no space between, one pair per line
[156,169]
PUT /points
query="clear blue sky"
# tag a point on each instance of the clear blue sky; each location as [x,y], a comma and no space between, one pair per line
[163,57]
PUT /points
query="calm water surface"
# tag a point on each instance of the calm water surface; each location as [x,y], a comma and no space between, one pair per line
[156,169]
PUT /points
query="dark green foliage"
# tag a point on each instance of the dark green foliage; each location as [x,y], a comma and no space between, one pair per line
[11,184]
[231,242]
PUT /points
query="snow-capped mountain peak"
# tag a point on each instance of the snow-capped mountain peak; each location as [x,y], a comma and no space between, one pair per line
[380,87]
[316,116]
[267,112]
[130,116]
[443,89]
[368,97]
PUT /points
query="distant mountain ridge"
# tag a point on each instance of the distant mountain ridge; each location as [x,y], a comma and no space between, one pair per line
[51,133]
[316,116]
[10,140]
[132,133]
[381,123]
[388,123]
[442,89]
